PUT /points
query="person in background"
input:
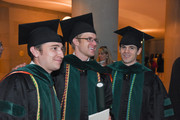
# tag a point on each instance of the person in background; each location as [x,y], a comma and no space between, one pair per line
[76,80]
[104,56]
[155,60]
[138,94]
[1,49]
[153,63]
[28,93]
[174,89]
[160,64]
[147,62]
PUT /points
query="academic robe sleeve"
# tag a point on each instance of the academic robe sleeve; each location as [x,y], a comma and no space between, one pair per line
[162,101]
[107,89]
[156,102]
[17,98]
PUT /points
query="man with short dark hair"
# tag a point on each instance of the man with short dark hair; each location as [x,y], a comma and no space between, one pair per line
[28,92]
[138,94]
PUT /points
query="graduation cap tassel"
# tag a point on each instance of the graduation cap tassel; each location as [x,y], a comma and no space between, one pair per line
[143,48]
[67,48]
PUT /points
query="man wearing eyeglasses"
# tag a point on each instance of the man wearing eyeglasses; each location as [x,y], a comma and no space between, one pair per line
[77,91]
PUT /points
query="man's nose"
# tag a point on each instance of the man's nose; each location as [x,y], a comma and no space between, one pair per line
[61,53]
[126,50]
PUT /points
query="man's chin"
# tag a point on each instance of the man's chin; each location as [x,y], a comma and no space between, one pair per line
[92,54]
[56,69]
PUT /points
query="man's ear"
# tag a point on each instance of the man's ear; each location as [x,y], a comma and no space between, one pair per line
[34,51]
[75,41]
[139,51]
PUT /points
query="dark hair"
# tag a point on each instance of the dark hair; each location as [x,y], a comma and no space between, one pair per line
[38,47]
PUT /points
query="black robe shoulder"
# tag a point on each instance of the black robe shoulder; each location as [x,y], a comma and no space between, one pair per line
[18,91]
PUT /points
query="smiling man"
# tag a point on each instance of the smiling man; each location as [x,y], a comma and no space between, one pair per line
[76,81]
[28,92]
[138,94]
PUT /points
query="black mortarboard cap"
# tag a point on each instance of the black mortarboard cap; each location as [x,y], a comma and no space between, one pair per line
[38,33]
[132,36]
[77,25]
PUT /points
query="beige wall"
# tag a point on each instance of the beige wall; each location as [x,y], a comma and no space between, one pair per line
[172,38]
[10,17]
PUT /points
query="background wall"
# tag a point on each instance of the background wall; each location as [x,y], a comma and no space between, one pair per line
[11,16]
[154,46]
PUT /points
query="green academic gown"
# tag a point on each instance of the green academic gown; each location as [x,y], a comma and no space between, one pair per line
[77,88]
[138,94]
[27,93]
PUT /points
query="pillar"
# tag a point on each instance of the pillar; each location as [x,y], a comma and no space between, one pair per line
[105,15]
[172,38]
